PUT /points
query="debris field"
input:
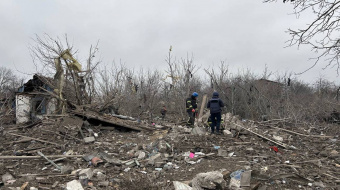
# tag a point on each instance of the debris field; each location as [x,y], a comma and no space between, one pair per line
[88,150]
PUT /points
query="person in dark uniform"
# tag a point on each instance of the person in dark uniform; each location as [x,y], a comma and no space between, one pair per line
[215,105]
[209,123]
[163,112]
[191,106]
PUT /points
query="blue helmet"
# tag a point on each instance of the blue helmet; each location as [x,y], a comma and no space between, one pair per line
[195,94]
[215,94]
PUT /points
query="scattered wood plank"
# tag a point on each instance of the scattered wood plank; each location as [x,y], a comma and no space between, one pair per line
[242,143]
[56,160]
[123,117]
[274,120]
[24,186]
[40,149]
[207,155]
[300,134]
[55,115]
[55,184]
[50,161]
[35,139]
[317,160]
[256,186]
[107,128]
[61,134]
[111,122]
[326,174]
[258,156]
[277,143]
[287,165]
[33,150]
[27,126]
[42,187]
[47,174]
[31,125]
[19,141]
[30,149]
[81,132]
[38,157]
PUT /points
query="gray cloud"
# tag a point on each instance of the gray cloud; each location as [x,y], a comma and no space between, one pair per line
[247,34]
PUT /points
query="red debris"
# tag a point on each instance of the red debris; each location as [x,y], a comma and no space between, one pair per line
[274,148]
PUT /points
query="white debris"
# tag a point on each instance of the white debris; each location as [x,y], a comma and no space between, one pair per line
[231,154]
[227,133]
[74,185]
[209,180]
[278,138]
[86,172]
[89,139]
[181,186]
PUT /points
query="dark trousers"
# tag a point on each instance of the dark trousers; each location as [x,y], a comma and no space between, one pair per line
[191,119]
[216,122]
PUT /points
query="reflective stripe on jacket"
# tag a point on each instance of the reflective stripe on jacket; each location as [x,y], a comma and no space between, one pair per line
[191,103]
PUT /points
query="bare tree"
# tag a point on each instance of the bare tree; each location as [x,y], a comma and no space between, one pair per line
[173,68]
[190,69]
[6,76]
[88,78]
[110,86]
[183,80]
[8,82]
[322,34]
[217,78]
[57,57]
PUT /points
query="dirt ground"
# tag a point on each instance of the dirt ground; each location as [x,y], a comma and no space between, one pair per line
[153,159]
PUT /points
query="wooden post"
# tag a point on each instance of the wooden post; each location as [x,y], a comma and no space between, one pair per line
[203,105]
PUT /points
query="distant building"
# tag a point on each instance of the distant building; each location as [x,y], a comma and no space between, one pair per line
[268,86]
[271,96]
[33,101]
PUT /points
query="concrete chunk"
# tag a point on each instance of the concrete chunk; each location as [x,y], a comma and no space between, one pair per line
[245,179]
[7,177]
[86,172]
[103,183]
[67,169]
[222,152]
[89,139]
[278,138]
[198,131]
[227,133]
[181,186]
[74,185]
[209,180]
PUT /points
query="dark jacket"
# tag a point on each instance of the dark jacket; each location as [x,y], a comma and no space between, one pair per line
[215,104]
[191,103]
[163,111]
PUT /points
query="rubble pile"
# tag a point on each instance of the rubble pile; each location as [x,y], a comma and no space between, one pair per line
[92,151]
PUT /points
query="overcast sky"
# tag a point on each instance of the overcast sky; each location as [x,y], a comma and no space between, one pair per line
[246,34]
